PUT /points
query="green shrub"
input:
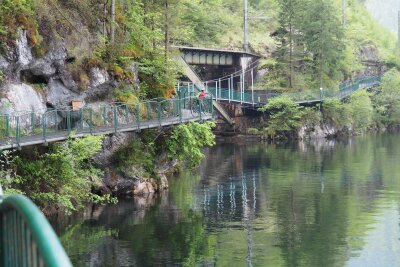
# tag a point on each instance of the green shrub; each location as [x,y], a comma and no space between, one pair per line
[361,111]
[16,14]
[186,141]
[253,131]
[335,113]
[126,94]
[285,116]
[59,179]
[139,153]
[311,117]
[387,100]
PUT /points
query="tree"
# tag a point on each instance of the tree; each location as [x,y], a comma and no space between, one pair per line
[287,33]
[322,34]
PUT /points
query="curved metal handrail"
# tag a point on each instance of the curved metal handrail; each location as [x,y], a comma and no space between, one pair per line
[254,97]
[26,238]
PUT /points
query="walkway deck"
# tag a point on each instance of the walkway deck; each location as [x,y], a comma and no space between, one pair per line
[256,98]
[34,129]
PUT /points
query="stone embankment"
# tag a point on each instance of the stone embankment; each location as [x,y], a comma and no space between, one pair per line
[129,180]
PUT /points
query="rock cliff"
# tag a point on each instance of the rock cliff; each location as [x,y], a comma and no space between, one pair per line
[35,84]
[31,83]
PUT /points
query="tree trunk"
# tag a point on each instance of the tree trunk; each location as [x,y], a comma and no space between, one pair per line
[105,19]
[166,37]
[291,55]
[112,21]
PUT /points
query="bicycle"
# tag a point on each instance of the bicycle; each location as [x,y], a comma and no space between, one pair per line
[196,105]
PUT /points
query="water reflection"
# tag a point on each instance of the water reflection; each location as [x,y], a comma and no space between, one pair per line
[327,203]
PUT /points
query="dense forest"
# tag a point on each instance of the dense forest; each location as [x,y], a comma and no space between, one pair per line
[303,41]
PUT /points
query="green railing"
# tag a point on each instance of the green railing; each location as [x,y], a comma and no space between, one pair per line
[40,127]
[26,237]
[259,98]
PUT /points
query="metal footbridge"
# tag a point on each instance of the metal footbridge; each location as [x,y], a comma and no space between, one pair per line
[240,86]
[24,128]
[248,96]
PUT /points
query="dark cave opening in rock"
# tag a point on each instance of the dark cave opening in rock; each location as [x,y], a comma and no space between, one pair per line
[28,77]
[70,60]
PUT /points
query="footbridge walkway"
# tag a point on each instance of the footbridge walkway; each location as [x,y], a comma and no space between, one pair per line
[24,128]
[257,98]
[240,85]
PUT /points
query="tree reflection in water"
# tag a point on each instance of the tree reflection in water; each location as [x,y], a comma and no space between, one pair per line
[289,204]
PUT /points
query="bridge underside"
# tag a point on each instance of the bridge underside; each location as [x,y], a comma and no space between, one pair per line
[210,64]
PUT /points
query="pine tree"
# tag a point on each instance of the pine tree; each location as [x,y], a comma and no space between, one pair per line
[322,33]
[287,33]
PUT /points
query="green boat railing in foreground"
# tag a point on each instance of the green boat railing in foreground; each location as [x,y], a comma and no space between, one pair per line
[26,237]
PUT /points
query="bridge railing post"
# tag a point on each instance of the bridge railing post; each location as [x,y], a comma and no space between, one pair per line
[44,125]
[104,115]
[91,120]
[33,122]
[7,125]
[81,118]
[219,87]
[229,90]
[232,87]
[241,89]
[200,108]
[55,120]
[126,114]
[321,94]
[115,118]
[210,108]
[148,110]
[159,112]
[138,116]
[180,110]
[18,133]
[216,90]
[69,128]
[252,86]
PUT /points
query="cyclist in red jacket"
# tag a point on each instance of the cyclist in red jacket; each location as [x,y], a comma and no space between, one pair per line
[202,95]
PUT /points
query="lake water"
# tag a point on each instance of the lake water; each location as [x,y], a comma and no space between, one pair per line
[325,203]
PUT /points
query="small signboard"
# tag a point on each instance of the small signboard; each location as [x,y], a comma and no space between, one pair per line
[77,104]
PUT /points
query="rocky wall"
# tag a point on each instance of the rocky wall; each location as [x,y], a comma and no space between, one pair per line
[31,83]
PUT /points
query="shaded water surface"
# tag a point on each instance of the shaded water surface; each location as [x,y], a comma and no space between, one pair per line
[293,204]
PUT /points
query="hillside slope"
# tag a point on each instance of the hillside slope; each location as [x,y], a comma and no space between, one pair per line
[70,42]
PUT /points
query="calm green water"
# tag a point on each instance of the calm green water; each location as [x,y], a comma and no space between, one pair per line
[297,204]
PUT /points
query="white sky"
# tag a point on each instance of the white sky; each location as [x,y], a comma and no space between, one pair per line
[385,11]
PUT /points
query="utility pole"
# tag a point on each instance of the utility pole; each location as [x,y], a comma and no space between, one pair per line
[246,26]
[112,21]
[398,29]
[344,14]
